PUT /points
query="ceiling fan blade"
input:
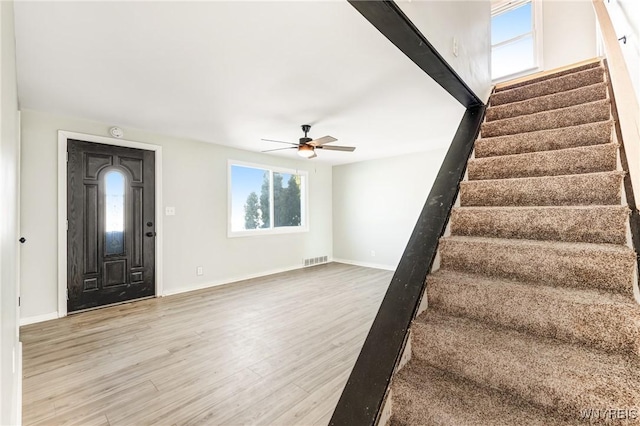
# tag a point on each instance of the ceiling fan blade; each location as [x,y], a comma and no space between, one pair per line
[280,149]
[322,140]
[271,140]
[338,148]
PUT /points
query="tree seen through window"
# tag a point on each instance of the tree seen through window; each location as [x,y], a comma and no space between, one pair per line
[286,203]
[264,199]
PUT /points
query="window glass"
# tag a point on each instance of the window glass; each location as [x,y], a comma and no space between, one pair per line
[513,46]
[246,193]
[114,213]
[265,199]
[286,200]
[513,57]
[511,24]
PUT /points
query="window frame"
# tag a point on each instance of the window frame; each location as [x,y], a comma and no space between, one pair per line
[273,230]
[536,33]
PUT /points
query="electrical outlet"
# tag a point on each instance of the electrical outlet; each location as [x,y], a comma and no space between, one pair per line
[199,271]
[454,47]
[170,211]
[373,253]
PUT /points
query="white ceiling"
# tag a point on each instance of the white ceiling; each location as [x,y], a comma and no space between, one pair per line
[231,73]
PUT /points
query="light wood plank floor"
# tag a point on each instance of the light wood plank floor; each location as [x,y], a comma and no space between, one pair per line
[272,350]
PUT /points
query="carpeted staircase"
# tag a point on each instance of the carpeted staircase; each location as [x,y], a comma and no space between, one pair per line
[532,316]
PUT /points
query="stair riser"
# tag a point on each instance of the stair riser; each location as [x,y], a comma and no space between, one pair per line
[594,225]
[566,117]
[545,103]
[520,307]
[548,87]
[593,159]
[546,265]
[577,190]
[547,140]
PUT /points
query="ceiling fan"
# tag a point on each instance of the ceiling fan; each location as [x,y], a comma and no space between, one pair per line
[307,146]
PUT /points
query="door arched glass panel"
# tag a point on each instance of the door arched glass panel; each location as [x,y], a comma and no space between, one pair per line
[114,202]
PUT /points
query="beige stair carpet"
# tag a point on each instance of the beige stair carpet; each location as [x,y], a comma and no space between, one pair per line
[579,160]
[564,190]
[531,80]
[557,118]
[578,96]
[545,140]
[532,317]
[549,86]
[580,224]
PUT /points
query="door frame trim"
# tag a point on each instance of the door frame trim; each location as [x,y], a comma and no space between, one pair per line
[63,137]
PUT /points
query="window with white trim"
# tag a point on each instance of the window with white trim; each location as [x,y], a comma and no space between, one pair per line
[265,199]
[515,41]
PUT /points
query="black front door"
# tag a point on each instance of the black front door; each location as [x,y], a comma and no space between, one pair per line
[111,224]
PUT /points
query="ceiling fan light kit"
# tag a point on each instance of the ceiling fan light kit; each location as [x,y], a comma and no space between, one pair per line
[307,146]
[306,151]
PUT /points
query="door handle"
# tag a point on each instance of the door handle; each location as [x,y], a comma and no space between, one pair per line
[22,240]
[151,234]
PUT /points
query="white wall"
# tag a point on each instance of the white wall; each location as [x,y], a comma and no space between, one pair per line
[9,155]
[376,205]
[469,21]
[195,183]
[568,31]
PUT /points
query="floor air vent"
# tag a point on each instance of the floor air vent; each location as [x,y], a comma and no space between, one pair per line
[315,260]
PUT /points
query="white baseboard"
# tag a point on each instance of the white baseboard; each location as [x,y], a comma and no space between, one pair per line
[38,318]
[366,264]
[200,286]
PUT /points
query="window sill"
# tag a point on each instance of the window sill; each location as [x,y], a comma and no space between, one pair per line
[515,75]
[264,232]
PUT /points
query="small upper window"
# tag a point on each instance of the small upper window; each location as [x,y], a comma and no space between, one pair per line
[266,200]
[114,182]
[514,41]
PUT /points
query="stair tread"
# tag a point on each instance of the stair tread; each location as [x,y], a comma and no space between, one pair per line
[546,87]
[507,86]
[454,401]
[523,208]
[566,161]
[555,263]
[594,317]
[550,102]
[547,372]
[563,117]
[601,188]
[588,224]
[562,245]
[545,140]
[538,178]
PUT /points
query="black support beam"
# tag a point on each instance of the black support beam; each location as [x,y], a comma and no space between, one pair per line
[364,393]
